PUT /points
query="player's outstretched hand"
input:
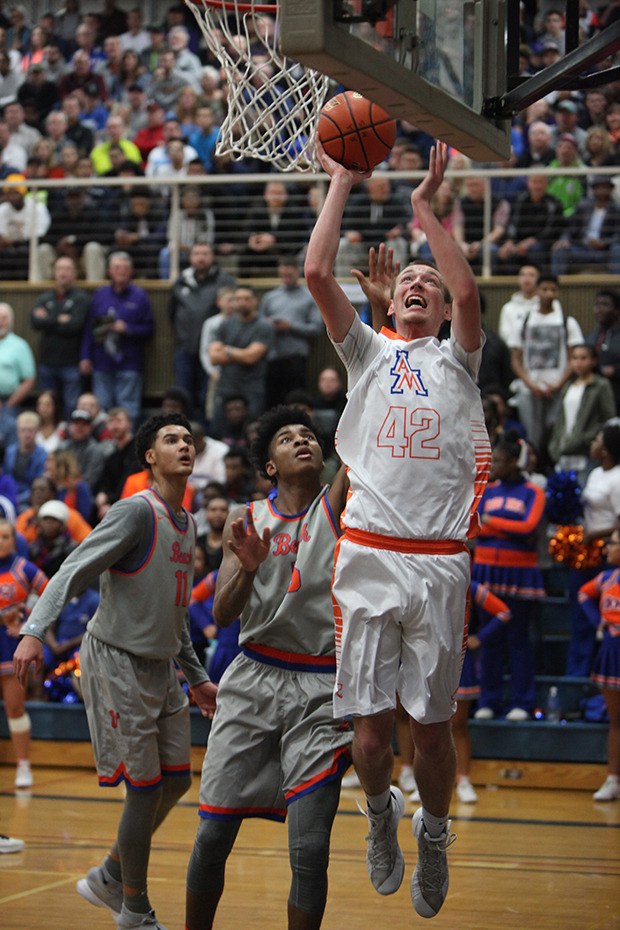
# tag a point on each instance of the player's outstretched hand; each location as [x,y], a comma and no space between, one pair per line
[29,652]
[437,164]
[377,284]
[332,167]
[250,548]
[205,696]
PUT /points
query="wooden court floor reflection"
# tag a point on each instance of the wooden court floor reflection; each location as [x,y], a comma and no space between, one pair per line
[525,859]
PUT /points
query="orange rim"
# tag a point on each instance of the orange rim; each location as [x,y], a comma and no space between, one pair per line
[232,7]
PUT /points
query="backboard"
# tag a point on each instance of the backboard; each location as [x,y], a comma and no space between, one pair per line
[433,63]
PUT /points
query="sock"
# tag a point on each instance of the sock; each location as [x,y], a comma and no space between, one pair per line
[137,903]
[406,768]
[379,802]
[435,826]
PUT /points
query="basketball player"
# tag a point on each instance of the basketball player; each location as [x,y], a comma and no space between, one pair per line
[413,438]
[138,714]
[275,747]
[19,579]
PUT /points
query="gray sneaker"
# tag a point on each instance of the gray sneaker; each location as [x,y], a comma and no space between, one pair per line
[384,859]
[129,920]
[429,885]
[101,891]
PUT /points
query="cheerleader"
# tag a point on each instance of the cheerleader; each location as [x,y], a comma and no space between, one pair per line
[487,619]
[18,579]
[600,601]
[506,561]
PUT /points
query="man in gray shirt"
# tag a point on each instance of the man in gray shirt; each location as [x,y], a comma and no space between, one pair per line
[296,321]
[241,345]
[138,714]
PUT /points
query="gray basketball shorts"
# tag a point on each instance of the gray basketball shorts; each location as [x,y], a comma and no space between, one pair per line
[138,716]
[274,738]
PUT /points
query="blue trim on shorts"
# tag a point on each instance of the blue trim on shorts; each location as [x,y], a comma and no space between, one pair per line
[343,762]
[277,662]
[242,815]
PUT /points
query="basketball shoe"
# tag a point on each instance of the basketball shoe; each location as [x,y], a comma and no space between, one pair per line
[99,889]
[23,774]
[406,780]
[384,859]
[129,920]
[465,791]
[609,790]
[8,844]
[429,885]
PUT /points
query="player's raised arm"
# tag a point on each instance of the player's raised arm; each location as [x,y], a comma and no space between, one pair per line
[244,550]
[451,263]
[336,309]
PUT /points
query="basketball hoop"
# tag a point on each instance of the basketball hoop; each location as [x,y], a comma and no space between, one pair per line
[273,102]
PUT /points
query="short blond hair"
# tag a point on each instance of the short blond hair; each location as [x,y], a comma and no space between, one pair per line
[28,418]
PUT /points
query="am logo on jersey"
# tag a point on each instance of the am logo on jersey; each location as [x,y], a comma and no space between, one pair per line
[405,377]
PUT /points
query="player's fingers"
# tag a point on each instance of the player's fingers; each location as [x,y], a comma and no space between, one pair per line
[372,260]
[249,519]
[233,546]
[238,528]
[267,536]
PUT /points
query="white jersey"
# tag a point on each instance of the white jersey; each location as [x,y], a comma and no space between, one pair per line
[412,435]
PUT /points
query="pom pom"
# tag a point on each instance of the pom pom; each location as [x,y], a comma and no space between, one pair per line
[62,683]
[563,495]
[567,548]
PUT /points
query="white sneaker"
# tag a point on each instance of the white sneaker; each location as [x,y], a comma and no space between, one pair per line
[484,713]
[406,781]
[609,790]
[128,920]
[414,797]
[517,715]
[351,780]
[23,775]
[429,885]
[8,844]
[384,859]
[465,791]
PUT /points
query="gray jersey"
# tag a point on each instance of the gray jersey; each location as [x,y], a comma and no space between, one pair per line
[294,581]
[144,558]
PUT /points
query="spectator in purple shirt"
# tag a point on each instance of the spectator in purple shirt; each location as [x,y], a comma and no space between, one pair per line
[119,324]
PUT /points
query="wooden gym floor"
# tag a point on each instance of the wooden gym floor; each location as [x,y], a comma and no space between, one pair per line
[525,859]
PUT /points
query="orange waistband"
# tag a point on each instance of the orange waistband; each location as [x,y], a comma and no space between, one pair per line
[505,558]
[397,544]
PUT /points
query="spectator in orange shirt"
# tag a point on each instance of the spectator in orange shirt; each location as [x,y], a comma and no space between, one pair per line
[41,490]
[142,480]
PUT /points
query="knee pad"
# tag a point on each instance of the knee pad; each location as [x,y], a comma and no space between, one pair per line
[19,724]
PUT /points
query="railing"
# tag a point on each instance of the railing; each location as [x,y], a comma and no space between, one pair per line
[170,207]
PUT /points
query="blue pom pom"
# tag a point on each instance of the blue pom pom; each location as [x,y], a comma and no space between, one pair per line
[563,494]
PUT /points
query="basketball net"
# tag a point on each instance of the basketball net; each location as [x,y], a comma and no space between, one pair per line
[273,103]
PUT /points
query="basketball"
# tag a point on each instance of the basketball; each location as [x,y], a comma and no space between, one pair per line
[355,132]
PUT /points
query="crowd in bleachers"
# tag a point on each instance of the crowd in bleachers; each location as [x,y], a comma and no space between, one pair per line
[103,94]
[95,95]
